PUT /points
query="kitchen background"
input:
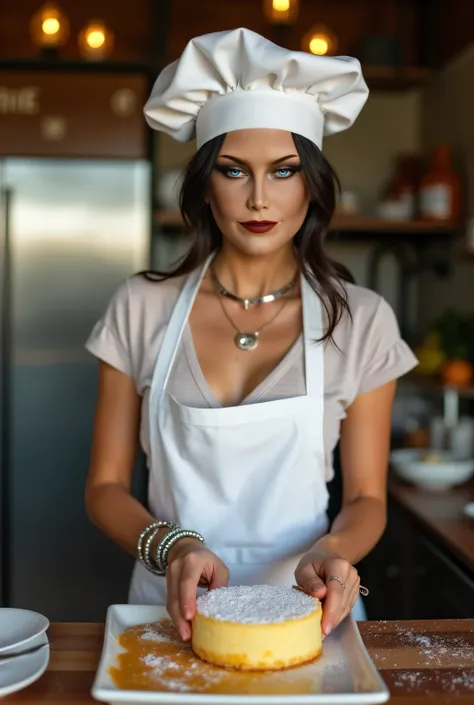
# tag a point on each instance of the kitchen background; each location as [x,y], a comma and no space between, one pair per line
[88,197]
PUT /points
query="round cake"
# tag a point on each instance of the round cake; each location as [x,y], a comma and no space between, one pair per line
[257,627]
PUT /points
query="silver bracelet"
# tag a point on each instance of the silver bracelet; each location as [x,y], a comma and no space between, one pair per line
[146,537]
[168,541]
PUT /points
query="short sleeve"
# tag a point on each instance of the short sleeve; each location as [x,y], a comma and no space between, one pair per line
[385,355]
[110,338]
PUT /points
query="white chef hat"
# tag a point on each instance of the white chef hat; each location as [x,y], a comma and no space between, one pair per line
[236,79]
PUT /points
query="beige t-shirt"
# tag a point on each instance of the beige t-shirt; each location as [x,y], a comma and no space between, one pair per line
[369,353]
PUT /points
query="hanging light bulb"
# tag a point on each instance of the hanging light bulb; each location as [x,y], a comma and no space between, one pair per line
[96,41]
[319,40]
[281,11]
[49,27]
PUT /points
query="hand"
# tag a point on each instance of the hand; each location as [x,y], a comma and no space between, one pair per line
[190,564]
[312,575]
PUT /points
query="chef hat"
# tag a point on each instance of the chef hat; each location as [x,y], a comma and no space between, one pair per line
[236,79]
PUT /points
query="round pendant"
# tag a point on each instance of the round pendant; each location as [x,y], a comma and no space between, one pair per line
[246,341]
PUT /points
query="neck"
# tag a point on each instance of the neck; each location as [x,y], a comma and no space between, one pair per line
[252,277]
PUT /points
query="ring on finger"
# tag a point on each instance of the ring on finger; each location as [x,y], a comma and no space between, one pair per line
[335,577]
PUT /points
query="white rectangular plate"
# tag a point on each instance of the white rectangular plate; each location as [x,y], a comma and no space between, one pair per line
[343,675]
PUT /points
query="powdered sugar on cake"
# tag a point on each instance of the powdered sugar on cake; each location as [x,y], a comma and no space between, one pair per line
[256,604]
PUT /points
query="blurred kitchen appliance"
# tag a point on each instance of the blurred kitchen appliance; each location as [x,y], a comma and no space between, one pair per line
[75,216]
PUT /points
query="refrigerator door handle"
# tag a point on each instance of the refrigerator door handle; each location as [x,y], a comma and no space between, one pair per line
[5,390]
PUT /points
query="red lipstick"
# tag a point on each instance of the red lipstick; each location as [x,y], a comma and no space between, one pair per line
[259,226]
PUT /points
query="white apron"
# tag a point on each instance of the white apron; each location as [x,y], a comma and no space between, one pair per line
[249,478]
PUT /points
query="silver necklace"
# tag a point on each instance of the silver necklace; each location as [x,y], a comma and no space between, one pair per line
[249,340]
[247,302]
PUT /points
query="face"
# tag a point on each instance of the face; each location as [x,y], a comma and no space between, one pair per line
[257,177]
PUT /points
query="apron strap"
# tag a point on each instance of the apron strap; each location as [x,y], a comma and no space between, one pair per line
[175,329]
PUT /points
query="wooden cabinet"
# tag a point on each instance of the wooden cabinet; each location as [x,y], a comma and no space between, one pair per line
[444,589]
[412,575]
[384,571]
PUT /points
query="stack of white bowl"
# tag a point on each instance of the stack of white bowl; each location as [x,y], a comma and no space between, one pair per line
[24,648]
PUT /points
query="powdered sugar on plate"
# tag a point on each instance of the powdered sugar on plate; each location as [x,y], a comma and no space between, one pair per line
[256,604]
[150,633]
[159,662]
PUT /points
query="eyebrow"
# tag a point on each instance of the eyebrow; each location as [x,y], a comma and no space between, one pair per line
[242,161]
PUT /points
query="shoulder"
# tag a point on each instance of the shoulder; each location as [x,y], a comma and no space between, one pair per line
[145,294]
[140,306]
[368,349]
[129,333]
[363,302]
[371,322]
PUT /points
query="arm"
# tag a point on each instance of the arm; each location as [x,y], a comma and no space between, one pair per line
[365,447]
[113,509]
[109,503]
[365,443]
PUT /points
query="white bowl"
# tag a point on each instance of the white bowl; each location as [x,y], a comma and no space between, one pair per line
[18,627]
[402,456]
[20,671]
[438,473]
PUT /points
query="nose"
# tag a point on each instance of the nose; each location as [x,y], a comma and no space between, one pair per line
[258,198]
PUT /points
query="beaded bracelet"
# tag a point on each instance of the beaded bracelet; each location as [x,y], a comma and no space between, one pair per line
[168,541]
[147,536]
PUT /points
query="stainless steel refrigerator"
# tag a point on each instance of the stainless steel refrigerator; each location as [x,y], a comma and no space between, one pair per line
[71,231]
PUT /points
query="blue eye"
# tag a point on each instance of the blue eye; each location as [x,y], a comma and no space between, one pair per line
[285,173]
[234,172]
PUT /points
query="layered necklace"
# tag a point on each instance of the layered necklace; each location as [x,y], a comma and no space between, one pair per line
[248,340]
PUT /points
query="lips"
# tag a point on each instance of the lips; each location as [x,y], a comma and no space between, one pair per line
[259,226]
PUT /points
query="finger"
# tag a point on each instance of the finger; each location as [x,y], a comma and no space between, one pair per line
[351,600]
[310,581]
[333,606]
[190,577]
[351,582]
[219,577]
[173,573]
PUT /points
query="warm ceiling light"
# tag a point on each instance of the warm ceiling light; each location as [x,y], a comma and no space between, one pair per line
[319,45]
[49,27]
[319,40]
[281,11]
[95,40]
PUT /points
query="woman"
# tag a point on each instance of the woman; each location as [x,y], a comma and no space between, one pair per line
[242,369]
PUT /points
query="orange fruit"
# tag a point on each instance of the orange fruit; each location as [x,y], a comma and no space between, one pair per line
[457,372]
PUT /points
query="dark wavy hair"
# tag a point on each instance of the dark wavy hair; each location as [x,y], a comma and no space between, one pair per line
[325,276]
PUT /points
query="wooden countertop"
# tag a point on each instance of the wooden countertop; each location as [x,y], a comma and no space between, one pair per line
[441,513]
[416,660]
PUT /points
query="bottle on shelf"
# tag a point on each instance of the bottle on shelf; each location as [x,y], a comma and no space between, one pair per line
[440,188]
[399,201]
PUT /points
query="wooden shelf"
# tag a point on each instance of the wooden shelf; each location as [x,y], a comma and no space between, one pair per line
[360,224]
[395,78]
[168,218]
